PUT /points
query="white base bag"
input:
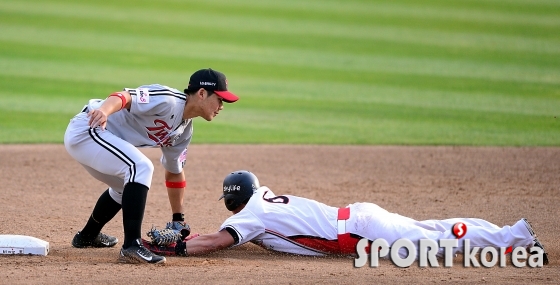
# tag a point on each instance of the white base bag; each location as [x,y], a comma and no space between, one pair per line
[26,245]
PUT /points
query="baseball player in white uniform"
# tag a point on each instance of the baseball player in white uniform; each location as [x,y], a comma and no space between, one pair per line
[302,226]
[105,136]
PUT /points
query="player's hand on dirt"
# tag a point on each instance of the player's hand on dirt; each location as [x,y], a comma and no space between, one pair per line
[97,118]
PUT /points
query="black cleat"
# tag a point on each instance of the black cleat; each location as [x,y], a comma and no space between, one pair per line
[536,242]
[101,240]
[137,253]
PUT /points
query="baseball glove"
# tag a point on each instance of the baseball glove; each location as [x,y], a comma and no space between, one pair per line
[178,248]
[164,237]
[181,227]
[173,232]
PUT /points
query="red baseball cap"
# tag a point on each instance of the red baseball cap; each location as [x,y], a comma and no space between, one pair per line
[211,80]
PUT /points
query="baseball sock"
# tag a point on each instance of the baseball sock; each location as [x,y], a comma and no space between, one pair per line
[133,205]
[105,209]
[179,217]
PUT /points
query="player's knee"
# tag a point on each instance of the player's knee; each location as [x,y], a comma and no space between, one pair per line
[144,166]
[144,172]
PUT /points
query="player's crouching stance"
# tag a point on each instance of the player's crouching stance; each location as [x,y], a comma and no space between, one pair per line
[105,136]
[298,225]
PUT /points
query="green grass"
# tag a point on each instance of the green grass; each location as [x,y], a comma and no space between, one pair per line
[435,72]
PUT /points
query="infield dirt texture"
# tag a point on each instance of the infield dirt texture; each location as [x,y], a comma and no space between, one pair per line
[48,195]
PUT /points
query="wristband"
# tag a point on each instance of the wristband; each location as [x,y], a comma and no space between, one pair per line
[171,184]
[123,99]
[181,248]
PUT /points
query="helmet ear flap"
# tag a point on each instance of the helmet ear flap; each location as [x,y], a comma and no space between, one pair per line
[230,202]
[233,201]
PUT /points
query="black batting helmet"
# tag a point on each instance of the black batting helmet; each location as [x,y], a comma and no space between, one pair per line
[238,188]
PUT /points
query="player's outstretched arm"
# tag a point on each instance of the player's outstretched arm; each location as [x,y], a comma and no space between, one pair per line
[209,243]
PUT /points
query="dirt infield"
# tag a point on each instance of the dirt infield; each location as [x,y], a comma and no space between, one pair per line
[44,193]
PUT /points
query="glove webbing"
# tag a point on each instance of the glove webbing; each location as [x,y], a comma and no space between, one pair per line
[163,237]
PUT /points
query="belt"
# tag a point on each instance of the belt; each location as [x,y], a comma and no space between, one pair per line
[343,215]
[346,242]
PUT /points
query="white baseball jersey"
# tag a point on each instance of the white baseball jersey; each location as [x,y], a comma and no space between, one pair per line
[298,225]
[155,119]
[278,222]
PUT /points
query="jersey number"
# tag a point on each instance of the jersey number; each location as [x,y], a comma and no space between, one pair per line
[278,199]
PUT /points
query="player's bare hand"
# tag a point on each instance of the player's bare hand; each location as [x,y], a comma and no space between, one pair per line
[191,237]
[97,118]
